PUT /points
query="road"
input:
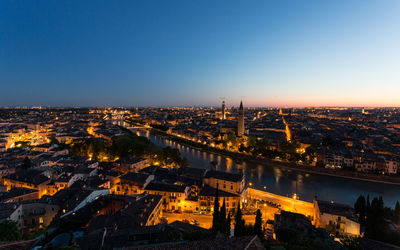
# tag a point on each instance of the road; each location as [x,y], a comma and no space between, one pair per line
[288,204]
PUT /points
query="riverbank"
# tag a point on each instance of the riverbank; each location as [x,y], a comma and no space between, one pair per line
[392,180]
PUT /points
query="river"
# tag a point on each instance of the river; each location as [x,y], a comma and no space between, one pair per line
[287,182]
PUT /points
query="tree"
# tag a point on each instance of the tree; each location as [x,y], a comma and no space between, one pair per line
[239,223]
[9,231]
[26,164]
[360,208]
[397,213]
[351,243]
[222,217]
[184,162]
[230,140]
[251,142]
[228,224]
[288,235]
[375,223]
[216,220]
[258,224]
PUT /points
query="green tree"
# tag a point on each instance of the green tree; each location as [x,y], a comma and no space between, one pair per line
[184,162]
[239,223]
[228,224]
[222,217]
[397,212]
[251,142]
[258,224]
[360,207]
[230,140]
[289,235]
[351,243]
[375,223]
[216,219]
[9,231]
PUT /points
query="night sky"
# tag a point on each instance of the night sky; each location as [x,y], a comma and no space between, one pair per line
[184,53]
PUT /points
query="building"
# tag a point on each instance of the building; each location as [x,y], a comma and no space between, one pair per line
[70,200]
[227,182]
[132,165]
[19,194]
[223,115]
[300,223]
[240,126]
[341,217]
[174,196]
[206,199]
[31,178]
[29,216]
[131,183]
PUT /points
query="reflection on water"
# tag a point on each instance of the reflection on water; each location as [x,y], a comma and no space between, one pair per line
[284,182]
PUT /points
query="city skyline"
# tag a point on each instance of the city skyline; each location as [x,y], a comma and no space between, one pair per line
[270,54]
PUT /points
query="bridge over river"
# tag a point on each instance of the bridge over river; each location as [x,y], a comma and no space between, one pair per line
[284,182]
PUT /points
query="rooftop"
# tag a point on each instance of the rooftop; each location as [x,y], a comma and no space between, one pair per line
[165,187]
[224,176]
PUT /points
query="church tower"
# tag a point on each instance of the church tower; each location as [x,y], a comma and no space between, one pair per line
[240,131]
[223,115]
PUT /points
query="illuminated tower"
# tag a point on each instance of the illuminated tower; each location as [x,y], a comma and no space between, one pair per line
[223,115]
[240,131]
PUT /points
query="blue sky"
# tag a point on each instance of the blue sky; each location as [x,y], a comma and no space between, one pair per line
[167,53]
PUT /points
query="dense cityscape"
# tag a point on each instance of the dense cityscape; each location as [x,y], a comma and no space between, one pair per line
[86,178]
[217,125]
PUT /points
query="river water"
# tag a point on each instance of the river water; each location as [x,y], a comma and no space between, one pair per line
[287,182]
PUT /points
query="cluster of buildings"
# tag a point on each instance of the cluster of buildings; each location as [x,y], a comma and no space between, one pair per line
[119,202]
[359,139]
